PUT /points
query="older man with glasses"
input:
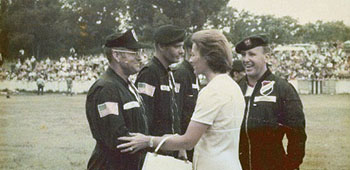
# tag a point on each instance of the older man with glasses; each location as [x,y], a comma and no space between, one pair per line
[114,107]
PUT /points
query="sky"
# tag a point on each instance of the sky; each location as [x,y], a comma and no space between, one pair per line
[303,10]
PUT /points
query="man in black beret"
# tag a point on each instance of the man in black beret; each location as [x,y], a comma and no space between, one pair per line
[273,110]
[237,72]
[114,108]
[156,82]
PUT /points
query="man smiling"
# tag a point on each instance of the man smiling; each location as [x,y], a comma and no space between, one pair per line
[273,109]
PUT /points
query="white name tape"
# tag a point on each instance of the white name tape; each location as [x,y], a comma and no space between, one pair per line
[195,86]
[265,99]
[131,105]
[177,87]
[164,88]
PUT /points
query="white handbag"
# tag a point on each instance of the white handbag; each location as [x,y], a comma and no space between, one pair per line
[154,161]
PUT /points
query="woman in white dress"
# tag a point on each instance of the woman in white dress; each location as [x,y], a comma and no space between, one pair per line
[215,125]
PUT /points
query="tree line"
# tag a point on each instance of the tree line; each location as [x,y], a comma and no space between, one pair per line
[51,28]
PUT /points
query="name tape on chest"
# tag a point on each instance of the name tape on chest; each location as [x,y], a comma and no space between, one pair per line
[265,99]
[146,89]
[177,87]
[164,88]
[108,108]
[131,105]
[195,86]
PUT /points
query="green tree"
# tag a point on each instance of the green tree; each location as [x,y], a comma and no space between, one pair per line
[4,30]
[239,24]
[93,21]
[32,26]
[190,14]
[325,32]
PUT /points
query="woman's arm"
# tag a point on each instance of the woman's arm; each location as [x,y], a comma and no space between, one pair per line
[187,141]
[184,142]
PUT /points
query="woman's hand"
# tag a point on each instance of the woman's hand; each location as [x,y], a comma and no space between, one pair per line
[182,155]
[135,142]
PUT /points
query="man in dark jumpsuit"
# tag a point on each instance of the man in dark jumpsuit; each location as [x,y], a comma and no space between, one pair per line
[114,107]
[237,72]
[187,97]
[156,83]
[273,110]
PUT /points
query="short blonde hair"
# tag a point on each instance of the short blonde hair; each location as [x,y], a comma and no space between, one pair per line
[215,48]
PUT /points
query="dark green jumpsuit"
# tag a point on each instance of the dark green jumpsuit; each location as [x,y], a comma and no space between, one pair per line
[156,85]
[114,108]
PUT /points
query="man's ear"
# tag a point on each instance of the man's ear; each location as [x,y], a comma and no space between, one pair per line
[267,57]
[161,47]
[116,57]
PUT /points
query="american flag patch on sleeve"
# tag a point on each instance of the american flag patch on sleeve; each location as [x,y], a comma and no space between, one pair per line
[108,108]
[145,88]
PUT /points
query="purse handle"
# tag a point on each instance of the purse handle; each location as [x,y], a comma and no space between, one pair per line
[162,142]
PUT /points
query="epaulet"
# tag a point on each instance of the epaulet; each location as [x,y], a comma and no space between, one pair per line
[148,65]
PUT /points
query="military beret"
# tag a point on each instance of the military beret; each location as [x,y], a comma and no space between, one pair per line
[251,42]
[125,40]
[237,66]
[169,34]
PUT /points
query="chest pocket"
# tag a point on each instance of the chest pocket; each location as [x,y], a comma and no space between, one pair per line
[265,113]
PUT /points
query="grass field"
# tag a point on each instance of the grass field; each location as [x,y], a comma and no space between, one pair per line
[51,132]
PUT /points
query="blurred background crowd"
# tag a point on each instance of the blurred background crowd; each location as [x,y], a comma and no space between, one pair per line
[291,63]
[85,68]
[323,63]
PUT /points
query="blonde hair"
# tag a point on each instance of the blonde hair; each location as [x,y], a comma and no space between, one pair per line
[215,48]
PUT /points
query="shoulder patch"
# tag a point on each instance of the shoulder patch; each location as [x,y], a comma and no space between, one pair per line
[145,88]
[108,108]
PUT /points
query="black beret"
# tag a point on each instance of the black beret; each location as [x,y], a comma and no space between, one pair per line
[169,34]
[251,42]
[125,40]
[237,66]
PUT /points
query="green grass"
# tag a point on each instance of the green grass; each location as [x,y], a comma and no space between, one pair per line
[51,132]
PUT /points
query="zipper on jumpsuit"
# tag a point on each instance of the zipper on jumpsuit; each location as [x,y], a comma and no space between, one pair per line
[246,132]
[172,90]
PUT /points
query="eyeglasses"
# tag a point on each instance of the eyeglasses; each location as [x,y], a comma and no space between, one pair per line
[126,51]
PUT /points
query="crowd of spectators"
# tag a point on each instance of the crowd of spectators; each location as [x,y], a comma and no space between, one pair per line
[324,63]
[85,68]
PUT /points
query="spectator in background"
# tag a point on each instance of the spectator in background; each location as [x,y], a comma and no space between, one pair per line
[69,81]
[237,72]
[40,83]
